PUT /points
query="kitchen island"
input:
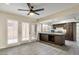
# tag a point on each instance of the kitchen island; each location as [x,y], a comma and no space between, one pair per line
[55,38]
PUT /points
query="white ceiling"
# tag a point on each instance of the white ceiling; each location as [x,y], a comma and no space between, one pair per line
[69,18]
[50,8]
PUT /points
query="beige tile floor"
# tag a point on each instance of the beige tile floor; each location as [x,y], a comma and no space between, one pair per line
[43,48]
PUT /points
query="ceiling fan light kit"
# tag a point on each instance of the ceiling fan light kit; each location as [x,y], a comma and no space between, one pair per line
[31,10]
[31,14]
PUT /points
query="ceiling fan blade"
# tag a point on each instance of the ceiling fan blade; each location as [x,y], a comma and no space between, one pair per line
[36,13]
[23,10]
[28,13]
[29,5]
[39,10]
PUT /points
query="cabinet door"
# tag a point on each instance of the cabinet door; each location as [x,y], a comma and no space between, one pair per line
[70,31]
[67,31]
[44,37]
[60,40]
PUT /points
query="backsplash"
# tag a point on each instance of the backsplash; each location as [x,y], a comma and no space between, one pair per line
[58,30]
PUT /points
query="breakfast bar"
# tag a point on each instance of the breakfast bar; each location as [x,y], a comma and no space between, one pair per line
[55,38]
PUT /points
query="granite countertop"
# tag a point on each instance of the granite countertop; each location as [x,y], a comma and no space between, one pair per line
[52,33]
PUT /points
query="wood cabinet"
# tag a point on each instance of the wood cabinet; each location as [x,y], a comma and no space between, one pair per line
[70,30]
[56,39]
[59,39]
[44,37]
[51,38]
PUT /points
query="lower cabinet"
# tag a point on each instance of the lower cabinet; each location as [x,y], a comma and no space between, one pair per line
[59,40]
[56,39]
[44,37]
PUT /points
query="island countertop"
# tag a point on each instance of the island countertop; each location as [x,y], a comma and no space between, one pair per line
[56,38]
[52,33]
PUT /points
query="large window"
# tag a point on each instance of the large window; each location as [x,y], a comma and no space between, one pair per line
[45,27]
[25,31]
[39,28]
[12,31]
[33,31]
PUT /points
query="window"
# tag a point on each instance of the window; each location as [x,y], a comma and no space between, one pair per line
[46,28]
[39,28]
[12,31]
[33,31]
[25,31]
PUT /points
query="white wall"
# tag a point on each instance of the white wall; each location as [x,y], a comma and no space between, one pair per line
[2,33]
[77,31]
[3,26]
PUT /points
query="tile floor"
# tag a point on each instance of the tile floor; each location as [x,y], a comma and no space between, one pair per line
[43,48]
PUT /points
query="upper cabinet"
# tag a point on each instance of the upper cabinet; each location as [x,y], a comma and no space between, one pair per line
[70,30]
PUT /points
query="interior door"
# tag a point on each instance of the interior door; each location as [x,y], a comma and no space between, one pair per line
[12,31]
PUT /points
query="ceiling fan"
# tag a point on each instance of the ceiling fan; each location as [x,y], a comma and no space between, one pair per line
[31,9]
